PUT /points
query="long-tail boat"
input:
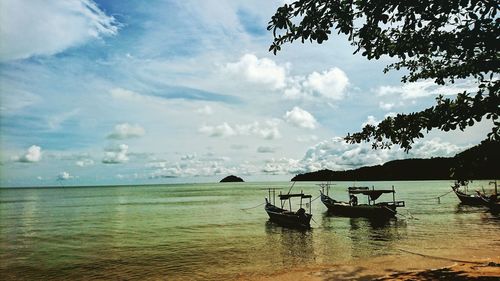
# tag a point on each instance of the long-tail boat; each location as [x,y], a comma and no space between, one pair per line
[464,197]
[373,209]
[492,201]
[287,217]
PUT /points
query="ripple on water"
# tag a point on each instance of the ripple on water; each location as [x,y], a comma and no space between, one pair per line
[198,232]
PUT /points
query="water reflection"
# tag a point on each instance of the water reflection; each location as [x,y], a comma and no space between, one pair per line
[374,237]
[291,246]
[490,216]
[461,208]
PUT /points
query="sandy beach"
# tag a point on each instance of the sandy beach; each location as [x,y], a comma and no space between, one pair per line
[418,268]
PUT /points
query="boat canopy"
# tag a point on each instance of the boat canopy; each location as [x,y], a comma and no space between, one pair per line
[290,195]
[373,194]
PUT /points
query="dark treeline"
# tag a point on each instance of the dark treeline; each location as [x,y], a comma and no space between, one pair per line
[479,162]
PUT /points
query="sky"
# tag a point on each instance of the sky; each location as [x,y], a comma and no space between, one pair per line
[143,92]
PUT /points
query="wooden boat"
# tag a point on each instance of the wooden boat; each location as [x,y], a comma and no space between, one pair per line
[467,199]
[284,217]
[373,210]
[492,201]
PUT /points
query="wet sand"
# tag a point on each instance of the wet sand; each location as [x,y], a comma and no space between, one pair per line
[423,267]
[481,271]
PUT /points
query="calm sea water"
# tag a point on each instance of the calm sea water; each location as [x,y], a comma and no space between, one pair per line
[199,231]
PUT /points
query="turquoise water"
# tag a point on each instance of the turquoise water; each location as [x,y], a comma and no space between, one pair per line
[199,232]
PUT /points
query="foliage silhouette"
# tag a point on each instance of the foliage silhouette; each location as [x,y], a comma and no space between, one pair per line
[440,40]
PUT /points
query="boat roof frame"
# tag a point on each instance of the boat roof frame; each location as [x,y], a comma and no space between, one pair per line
[290,195]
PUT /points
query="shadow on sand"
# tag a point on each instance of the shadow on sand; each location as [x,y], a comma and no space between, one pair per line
[447,273]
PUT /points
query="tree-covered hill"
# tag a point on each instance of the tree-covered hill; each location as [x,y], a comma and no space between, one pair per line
[479,162]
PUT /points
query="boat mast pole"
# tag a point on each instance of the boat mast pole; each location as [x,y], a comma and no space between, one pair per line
[281,201]
[393,195]
[496,188]
[301,198]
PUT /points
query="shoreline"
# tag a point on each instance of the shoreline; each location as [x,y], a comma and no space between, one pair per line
[456,272]
[480,270]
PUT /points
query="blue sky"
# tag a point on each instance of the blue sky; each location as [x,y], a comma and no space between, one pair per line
[125,92]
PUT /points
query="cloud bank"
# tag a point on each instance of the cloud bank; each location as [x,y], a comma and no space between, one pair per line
[126,131]
[31,28]
[116,155]
[329,84]
[268,130]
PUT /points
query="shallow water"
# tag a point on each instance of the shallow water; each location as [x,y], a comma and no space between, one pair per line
[198,231]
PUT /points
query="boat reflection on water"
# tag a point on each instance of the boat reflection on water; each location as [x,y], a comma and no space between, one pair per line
[462,208]
[291,246]
[365,237]
[374,237]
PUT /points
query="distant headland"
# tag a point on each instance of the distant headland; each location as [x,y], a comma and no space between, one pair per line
[476,163]
[232,178]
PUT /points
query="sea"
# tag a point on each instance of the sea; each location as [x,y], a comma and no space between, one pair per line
[220,231]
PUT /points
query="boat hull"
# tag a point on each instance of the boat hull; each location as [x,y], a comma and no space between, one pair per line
[287,218]
[491,202]
[469,199]
[377,211]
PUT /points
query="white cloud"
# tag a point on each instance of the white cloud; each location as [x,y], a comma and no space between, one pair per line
[390,114]
[260,71]
[34,154]
[14,100]
[425,88]
[222,130]
[336,154]
[32,28]
[269,130]
[205,110]
[282,166]
[388,90]
[435,147]
[294,91]
[308,138]
[54,122]
[266,149]
[64,176]
[370,120]
[194,168]
[300,118]
[84,162]
[126,131]
[119,93]
[116,155]
[330,84]
[188,157]
[386,105]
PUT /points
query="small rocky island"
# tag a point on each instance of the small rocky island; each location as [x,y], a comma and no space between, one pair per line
[232,178]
